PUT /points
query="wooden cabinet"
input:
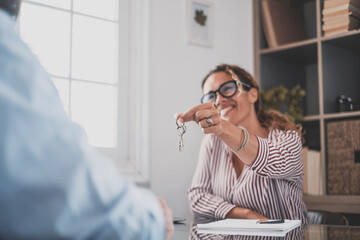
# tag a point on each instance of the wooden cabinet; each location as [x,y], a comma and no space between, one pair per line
[325,67]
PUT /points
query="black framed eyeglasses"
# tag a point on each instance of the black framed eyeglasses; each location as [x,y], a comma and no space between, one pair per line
[227,90]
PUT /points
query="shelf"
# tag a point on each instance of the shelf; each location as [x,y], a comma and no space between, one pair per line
[290,67]
[325,66]
[348,40]
[339,115]
[340,35]
[307,11]
[342,115]
[300,54]
[288,46]
[341,71]
[333,203]
[308,118]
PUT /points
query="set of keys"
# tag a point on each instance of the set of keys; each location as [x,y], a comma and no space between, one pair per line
[181,129]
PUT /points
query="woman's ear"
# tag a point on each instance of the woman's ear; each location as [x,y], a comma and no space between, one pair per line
[253,95]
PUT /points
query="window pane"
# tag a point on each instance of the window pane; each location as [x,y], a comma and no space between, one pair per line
[95,50]
[47,31]
[94,107]
[62,85]
[105,9]
[65,4]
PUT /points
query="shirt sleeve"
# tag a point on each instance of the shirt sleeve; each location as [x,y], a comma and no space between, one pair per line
[53,184]
[279,156]
[202,201]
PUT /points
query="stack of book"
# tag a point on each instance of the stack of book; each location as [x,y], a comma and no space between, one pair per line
[340,16]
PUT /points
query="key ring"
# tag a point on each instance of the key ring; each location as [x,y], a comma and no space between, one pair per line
[181,129]
[176,121]
[181,125]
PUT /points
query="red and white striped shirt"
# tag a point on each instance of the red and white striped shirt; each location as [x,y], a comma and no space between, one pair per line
[271,186]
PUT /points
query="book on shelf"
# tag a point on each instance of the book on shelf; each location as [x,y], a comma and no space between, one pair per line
[304,156]
[336,3]
[342,29]
[336,31]
[340,9]
[282,24]
[339,16]
[350,22]
[312,172]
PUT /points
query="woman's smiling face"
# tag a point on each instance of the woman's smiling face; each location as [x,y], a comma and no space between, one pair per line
[235,109]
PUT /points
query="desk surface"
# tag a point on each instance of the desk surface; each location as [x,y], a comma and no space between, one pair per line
[330,232]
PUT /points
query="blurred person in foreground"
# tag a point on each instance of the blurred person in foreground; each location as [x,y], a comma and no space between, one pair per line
[250,162]
[53,185]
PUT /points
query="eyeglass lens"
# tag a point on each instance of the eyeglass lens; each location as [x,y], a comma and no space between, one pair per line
[226,90]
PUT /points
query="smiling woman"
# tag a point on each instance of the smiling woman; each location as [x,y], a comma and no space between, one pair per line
[250,163]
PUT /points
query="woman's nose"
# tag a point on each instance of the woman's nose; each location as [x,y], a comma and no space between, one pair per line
[219,99]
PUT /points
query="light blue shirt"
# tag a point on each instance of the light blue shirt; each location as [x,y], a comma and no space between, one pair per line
[53,185]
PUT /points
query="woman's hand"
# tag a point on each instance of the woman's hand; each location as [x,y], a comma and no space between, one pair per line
[244,213]
[169,231]
[206,116]
[209,119]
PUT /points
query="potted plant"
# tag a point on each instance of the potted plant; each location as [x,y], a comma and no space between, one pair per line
[284,100]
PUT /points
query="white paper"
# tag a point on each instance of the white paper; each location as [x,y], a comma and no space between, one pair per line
[248,227]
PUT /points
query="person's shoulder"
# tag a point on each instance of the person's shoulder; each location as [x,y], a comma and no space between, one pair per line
[278,134]
[6,20]
[282,132]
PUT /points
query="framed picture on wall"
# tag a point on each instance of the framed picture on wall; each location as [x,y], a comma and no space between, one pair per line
[200,22]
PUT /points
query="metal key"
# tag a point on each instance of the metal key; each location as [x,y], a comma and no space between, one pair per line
[181,129]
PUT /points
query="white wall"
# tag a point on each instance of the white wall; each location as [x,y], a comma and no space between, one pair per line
[176,71]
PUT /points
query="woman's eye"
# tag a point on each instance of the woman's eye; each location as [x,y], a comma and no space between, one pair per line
[228,88]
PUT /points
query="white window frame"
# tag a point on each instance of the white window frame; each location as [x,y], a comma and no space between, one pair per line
[136,167]
[132,91]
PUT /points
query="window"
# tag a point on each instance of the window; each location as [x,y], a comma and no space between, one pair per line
[85,47]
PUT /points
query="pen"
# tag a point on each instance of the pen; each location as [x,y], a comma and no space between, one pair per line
[265,221]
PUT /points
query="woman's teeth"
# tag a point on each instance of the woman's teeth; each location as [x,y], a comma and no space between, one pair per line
[224,111]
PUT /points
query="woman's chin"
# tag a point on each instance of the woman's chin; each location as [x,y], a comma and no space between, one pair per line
[224,117]
[228,118]
[232,119]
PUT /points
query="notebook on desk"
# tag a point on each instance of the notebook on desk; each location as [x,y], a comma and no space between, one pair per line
[249,227]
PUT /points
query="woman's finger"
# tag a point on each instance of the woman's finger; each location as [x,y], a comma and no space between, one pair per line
[205,123]
[210,121]
[176,115]
[212,130]
[204,114]
[189,115]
